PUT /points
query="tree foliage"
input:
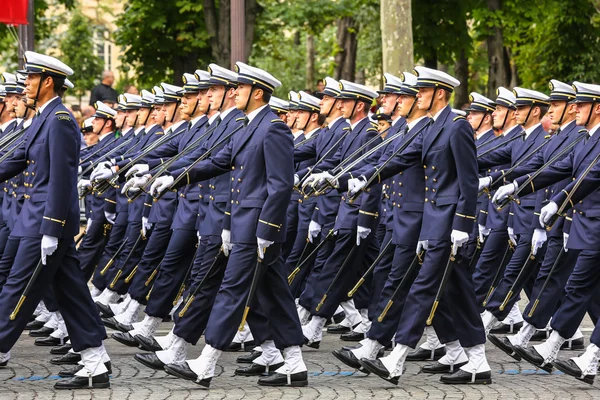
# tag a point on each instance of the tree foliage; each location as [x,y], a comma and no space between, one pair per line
[77,48]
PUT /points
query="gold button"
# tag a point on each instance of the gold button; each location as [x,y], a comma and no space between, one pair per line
[426,177]
[231,201]
[242,167]
[426,199]
[33,174]
[433,190]
[427,189]
[239,179]
[399,205]
[238,190]
[232,179]
[435,180]
[236,202]
[233,167]
[399,194]
[231,190]
[400,173]
[432,201]
[424,166]
[28,162]
[433,167]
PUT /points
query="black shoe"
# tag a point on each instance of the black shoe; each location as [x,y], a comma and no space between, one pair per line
[34,325]
[377,367]
[183,371]
[60,350]
[352,337]
[50,341]
[505,345]
[248,358]
[380,353]
[150,361]
[439,368]
[337,328]
[148,344]
[81,382]
[426,355]
[70,372]
[168,318]
[339,317]
[531,355]
[570,368]
[312,345]
[540,336]
[42,332]
[462,377]
[234,346]
[3,364]
[506,328]
[348,358]
[116,325]
[296,380]
[69,358]
[105,311]
[257,370]
[125,338]
[575,344]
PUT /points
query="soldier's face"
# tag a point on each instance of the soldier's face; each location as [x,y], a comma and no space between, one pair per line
[215,96]
[521,114]
[121,115]
[302,118]
[188,103]
[32,83]
[388,102]
[582,113]
[10,108]
[131,116]
[143,114]
[170,109]
[498,116]
[242,95]
[20,107]
[327,102]
[347,106]
[424,98]
[474,118]
[97,125]
[159,114]
[405,103]
[555,111]
[204,101]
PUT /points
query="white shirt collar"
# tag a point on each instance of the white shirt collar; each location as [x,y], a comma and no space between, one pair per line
[329,125]
[41,109]
[594,129]
[437,114]
[254,113]
[414,122]
[309,134]
[531,129]
[507,131]
[297,134]
[478,135]
[226,112]
[5,125]
[27,123]
[176,126]
[103,136]
[395,121]
[193,121]
[563,126]
[138,130]
[150,127]
[356,123]
[213,118]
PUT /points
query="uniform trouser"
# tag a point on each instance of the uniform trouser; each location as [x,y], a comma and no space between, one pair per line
[92,245]
[62,272]
[553,294]
[343,265]
[8,258]
[292,229]
[492,254]
[129,258]
[191,326]
[383,331]
[518,260]
[199,258]
[362,297]
[4,233]
[153,254]
[306,297]
[381,273]
[580,291]
[172,273]
[457,316]
[381,231]
[117,235]
[272,294]
[300,251]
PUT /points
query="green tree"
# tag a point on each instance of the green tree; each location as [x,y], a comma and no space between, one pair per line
[77,48]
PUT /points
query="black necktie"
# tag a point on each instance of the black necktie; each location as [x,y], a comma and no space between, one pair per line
[246,121]
[216,122]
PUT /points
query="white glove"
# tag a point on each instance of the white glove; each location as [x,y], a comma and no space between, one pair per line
[161,184]
[103,173]
[312,178]
[137,168]
[458,238]
[79,170]
[89,223]
[104,164]
[362,233]
[547,212]
[296,179]
[355,185]
[262,246]
[483,232]
[199,236]
[49,246]
[313,230]
[82,184]
[511,235]
[226,239]
[565,240]
[110,217]
[326,176]
[135,184]
[538,240]
[504,191]
[146,226]
[422,245]
[484,182]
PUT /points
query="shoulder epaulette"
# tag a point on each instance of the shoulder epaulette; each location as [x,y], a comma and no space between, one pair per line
[160,133]
[240,119]
[458,117]
[547,136]
[346,128]
[583,130]
[276,120]
[373,124]
[371,129]
[62,112]
[63,115]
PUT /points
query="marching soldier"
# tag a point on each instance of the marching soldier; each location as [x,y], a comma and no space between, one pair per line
[47,224]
